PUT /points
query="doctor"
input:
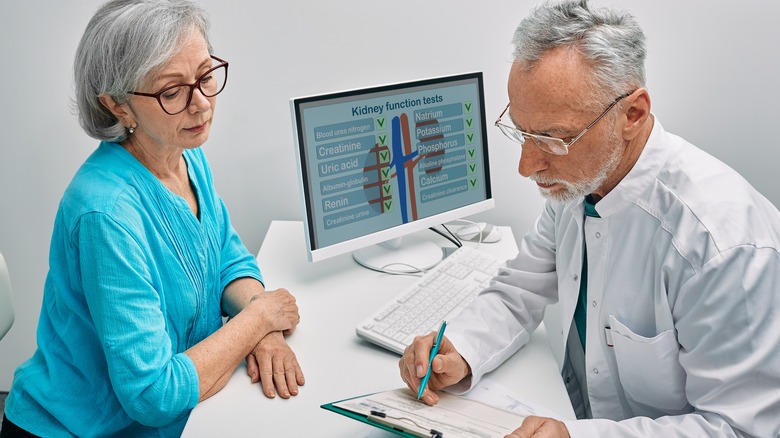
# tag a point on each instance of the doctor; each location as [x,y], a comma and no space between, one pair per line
[665,261]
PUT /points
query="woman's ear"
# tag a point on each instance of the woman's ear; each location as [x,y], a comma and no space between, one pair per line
[637,113]
[121,111]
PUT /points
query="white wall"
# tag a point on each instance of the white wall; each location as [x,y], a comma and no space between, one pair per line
[711,74]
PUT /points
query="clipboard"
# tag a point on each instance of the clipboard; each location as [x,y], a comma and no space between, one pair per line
[398,411]
[397,429]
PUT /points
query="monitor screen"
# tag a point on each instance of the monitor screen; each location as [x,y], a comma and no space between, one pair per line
[379,163]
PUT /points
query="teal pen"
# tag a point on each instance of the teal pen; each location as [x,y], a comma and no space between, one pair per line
[434,350]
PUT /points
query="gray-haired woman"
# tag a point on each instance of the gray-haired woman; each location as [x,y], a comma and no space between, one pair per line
[144,263]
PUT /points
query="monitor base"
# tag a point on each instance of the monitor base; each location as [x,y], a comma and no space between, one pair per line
[407,257]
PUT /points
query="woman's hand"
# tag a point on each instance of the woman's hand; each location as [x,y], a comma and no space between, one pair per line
[278,308]
[273,363]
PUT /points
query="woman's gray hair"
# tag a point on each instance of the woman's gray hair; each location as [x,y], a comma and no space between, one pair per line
[123,43]
[610,40]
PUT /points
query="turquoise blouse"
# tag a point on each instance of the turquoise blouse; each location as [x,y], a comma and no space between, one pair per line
[135,279]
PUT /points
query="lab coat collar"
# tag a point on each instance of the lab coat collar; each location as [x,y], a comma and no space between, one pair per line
[641,177]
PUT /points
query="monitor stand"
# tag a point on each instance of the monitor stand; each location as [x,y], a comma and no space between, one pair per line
[404,255]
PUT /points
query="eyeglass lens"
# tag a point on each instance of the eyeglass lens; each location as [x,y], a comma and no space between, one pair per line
[551,145]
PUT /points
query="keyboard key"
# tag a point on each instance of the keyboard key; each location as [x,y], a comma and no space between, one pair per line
[386,311]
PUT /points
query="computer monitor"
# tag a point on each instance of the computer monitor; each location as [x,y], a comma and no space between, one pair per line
[376,164]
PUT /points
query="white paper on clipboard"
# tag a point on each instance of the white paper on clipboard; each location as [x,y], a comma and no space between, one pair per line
[454,416]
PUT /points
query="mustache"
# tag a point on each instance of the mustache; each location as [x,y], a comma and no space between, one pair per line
[539,178]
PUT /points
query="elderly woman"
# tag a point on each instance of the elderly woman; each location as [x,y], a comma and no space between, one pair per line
[144,263]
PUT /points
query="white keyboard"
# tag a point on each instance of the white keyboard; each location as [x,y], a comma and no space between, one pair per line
[439,295]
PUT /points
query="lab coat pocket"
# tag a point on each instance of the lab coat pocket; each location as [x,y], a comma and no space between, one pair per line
[649,368]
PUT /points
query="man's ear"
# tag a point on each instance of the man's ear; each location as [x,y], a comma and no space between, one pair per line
[121,111]
[637,113]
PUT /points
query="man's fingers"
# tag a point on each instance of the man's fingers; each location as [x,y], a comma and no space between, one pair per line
[429,397]
[527,429]
[540,427]
[531,424]
[406,366]
[443,363]
[448,368]
[422,349]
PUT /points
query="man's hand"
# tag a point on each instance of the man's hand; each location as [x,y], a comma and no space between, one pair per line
[448,366]
[274,364]
[540,427]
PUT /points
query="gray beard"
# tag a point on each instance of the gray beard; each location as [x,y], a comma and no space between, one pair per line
[578,189]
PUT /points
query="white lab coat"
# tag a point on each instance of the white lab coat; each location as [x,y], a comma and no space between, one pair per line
[683,276]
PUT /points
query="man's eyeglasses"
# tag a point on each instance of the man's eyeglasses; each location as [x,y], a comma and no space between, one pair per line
[552,145]
[177,98]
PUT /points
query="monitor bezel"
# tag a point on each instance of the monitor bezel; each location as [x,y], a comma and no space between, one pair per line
[397,231]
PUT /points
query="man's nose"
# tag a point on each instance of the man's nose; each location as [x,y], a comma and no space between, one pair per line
[532,159]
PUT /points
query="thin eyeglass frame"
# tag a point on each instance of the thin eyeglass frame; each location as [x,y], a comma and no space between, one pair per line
[540,140]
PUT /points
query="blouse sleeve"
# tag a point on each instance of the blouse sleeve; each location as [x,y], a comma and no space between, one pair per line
[235,259]
[154,385]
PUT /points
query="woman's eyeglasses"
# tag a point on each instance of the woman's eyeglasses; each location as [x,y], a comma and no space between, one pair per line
[177,98]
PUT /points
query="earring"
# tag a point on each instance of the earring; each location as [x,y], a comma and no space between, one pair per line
[131,130]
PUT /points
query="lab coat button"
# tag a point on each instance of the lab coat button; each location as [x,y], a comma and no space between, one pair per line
[595,370]
[598,235]
[594,304]
[576,277]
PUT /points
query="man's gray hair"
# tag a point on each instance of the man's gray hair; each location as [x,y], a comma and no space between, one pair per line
[610,40]
[123,43]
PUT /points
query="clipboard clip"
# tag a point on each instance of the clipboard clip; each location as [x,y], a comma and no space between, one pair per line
[398,423]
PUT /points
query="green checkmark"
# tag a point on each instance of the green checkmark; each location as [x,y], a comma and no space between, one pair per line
[386,188]
[385,173]
[380,121]
[469,122]
[388,205]
[472,168]
[470,137]
[467,105]
[472,152]
[384,156]
[472,183]
[383,140]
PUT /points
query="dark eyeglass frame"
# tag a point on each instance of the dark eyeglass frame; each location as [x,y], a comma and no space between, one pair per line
[545,142]
[196,84]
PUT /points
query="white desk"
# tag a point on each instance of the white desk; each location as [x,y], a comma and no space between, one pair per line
[334,295]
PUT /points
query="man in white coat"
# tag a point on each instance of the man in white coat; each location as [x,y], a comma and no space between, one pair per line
[665,261]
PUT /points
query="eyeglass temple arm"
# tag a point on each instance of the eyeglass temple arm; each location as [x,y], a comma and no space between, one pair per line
[592,124]
[502,114]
